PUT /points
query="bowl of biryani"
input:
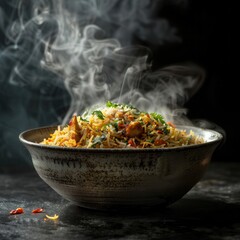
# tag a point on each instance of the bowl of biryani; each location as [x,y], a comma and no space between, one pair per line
[118,157]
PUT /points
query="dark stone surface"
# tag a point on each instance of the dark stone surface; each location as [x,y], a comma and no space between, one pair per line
[211,210]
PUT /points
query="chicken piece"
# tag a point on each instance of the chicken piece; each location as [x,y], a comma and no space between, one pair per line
[134,129]
[75,129]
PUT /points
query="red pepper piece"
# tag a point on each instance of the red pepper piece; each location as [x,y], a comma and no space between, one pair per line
[37,210]
[159,142]
[16,211]
[132,142]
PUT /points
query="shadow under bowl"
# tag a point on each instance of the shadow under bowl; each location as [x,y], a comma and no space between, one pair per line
[110,179]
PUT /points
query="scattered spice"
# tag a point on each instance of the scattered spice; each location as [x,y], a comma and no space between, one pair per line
[37,210]
[55,217]
[16,211]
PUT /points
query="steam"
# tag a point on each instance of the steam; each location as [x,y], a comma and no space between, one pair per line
[58,58]
[95,67]
[90,48]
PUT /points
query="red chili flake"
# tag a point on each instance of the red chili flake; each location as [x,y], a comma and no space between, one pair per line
[121,125]
[132,143]
[159,142]
[17,211]
[37,210]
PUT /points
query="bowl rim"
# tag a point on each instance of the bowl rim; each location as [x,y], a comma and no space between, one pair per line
[218,139]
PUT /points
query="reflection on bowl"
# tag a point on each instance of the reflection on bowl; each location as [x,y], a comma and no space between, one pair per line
[121,178]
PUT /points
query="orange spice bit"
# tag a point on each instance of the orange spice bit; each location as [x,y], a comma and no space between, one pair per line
[130,117]
[16,211]
[171,124]
[37,210]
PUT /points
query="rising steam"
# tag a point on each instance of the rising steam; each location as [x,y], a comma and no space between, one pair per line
[90,46]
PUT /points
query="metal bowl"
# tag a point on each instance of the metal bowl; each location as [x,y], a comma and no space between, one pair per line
[121,178]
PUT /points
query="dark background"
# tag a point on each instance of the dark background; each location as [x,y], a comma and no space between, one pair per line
[205,31]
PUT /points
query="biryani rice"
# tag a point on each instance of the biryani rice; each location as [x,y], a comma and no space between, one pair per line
[120,126]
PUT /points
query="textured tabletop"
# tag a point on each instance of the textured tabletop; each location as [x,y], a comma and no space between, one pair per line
[211,210]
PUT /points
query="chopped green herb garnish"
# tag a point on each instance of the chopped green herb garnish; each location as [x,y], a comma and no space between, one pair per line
[115,125]
[98,140]
[166,131]
[158,117]
[111,104]
[99,114]
[123,105]
[82,119]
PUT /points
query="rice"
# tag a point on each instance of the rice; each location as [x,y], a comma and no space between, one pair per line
[120,126]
